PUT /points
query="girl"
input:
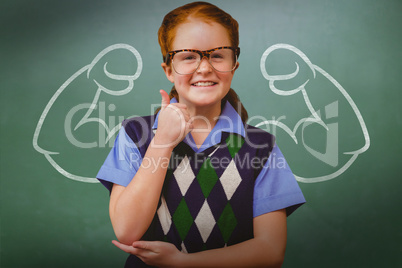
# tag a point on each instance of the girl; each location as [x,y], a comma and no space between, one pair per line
[194,185]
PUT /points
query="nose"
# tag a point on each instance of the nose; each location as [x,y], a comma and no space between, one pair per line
[205,65]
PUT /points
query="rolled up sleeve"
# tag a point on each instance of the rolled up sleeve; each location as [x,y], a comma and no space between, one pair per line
[122,163]
[276,187]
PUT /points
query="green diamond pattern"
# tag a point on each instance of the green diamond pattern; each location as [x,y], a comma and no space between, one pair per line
[234,142]
[227,222]
[182,219]
[207,177]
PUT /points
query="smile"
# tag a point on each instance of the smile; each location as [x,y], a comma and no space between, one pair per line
[204,84]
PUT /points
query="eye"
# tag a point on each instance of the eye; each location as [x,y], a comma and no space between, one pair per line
[217,55]
[190,57]
[186,56]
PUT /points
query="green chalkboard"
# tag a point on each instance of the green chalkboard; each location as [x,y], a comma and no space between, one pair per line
[323,76]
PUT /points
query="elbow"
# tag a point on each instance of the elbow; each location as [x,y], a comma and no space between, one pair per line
[125,239]
[276,260]
[127,236]
[272,262]
[126,231]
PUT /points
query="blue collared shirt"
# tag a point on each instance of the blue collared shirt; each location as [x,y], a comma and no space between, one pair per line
[275,187]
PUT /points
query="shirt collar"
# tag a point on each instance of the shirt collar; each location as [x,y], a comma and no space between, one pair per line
[229,121]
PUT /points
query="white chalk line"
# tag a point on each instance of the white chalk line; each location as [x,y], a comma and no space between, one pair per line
[86,118]
[316,118]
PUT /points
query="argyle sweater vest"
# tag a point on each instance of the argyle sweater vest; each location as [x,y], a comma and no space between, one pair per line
[207,198]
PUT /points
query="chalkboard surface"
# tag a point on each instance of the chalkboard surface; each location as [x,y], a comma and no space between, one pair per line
[323,76]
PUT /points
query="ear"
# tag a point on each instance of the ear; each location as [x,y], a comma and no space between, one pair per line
[237,66]
[168,72]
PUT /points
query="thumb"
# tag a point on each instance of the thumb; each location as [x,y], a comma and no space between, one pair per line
[142,245]
[165,99]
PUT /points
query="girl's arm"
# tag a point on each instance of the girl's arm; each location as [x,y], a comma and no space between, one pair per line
[132,208]
[266,249]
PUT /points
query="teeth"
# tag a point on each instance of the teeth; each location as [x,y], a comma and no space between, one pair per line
[203,84]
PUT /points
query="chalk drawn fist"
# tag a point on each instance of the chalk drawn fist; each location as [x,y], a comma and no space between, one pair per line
[73,127]
[328,109]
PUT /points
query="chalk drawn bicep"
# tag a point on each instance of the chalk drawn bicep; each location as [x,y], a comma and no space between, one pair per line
[70,115]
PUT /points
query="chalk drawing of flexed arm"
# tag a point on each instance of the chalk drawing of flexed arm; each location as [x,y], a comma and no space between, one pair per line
[88,106]
[129,78]
[315,116]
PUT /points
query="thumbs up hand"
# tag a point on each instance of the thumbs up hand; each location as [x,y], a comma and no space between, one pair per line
[165,99]
[174,123]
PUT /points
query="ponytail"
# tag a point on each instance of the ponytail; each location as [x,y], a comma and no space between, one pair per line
[234,100]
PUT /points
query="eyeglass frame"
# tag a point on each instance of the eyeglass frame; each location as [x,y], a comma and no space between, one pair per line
[202,53]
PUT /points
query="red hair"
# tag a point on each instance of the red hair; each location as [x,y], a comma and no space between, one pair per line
[199,10]
[208,13]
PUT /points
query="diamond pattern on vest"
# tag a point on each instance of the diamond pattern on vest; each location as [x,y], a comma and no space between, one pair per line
[227,222]
[234,143]
[197,207]
[164,216]
[207,177]
[205,221]
[184,175]
[182,219]
[183,247]
[230,179]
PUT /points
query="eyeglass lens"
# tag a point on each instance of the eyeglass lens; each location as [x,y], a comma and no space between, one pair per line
[186,62]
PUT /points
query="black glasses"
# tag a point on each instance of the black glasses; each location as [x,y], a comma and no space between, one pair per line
[187,61]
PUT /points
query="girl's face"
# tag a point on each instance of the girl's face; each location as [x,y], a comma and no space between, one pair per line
[205,87]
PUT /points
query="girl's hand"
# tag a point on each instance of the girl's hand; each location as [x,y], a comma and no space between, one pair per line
[154,253]
[174,123]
